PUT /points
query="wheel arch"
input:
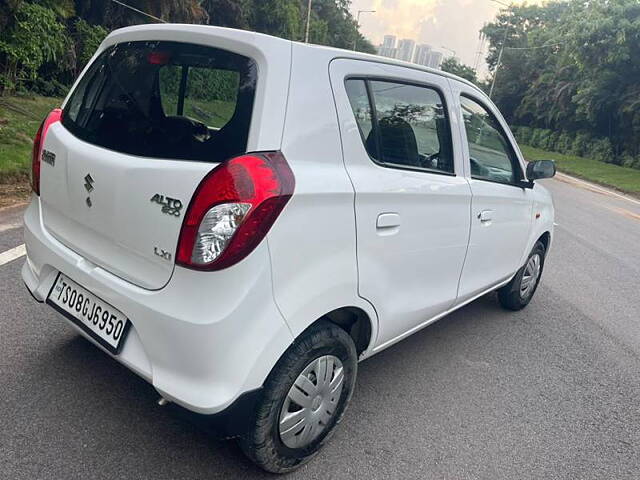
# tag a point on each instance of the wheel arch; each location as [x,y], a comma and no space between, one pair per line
[545,238]
[355,321]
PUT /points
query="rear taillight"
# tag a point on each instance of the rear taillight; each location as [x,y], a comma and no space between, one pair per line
[38,142]
[232,210]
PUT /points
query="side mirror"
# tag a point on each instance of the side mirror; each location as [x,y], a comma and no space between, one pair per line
[541,169]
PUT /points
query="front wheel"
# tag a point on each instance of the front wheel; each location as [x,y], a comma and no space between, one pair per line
[517,294]
[304,399]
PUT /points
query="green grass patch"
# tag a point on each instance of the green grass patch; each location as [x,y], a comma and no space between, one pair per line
[20,117]
[620,178]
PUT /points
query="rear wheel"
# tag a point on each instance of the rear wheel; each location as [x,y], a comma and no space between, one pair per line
[520,290]
[304,399]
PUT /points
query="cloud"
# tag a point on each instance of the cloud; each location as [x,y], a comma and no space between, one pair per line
[397,17]
[454,24]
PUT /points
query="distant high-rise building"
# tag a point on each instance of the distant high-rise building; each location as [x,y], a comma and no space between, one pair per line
[405,50]
[389,41]
[435,59]
[388,47]
[422,55]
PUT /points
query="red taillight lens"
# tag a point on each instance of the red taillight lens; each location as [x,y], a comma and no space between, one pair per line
[38,142]
[232,210]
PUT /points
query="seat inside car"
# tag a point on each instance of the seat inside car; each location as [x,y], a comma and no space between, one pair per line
[398,142]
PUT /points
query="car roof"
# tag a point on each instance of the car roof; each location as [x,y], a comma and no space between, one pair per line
[350,54]
[253,37]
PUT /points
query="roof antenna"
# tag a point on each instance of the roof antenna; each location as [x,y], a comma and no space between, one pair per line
[139,11]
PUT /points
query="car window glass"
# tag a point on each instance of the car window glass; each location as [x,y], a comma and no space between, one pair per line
[210,94]
[409,128]
[359,99]
[491,155]
[412,126]
[166,100]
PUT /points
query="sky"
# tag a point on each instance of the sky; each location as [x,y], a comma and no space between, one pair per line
[454,24]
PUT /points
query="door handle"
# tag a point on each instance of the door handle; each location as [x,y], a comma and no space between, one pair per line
[485,216]
[388,220]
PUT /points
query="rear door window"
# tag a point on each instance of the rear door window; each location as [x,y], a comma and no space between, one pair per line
[359,99]
[165,100]
[402,125]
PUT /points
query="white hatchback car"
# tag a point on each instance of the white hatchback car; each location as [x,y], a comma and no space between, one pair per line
[239,219]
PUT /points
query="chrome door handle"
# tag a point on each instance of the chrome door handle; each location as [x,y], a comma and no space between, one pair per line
[485,216]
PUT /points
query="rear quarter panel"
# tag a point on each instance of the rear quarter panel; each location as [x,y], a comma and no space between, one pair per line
[313,243]
[542,205]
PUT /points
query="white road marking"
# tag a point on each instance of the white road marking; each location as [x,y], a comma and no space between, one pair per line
[599,188]
[13,254]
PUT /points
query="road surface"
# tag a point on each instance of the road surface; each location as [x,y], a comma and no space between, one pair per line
[549,392]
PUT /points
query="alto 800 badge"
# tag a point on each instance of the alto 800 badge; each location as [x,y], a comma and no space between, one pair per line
[170,206]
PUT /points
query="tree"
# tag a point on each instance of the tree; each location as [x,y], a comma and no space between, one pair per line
[87,40]
[45,42]
[229,13]
[571,66]
[112,15]
[278,17]
[37,37]
[452,65]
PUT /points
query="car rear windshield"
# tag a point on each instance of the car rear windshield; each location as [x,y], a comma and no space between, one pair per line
[165,100]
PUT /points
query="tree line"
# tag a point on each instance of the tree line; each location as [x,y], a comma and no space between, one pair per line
[569,76]
[45,43]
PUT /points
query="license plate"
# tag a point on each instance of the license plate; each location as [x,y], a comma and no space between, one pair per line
[104,323]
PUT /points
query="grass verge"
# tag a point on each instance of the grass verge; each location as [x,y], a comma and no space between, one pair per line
[621,178]
[20,117]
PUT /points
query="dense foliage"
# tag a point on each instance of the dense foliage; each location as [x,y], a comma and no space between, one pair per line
[45,43]
[571,70]
[453,65]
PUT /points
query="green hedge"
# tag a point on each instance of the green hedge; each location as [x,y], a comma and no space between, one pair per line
[580,144]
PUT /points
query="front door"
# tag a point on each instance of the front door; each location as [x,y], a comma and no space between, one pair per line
[501,210]
[412,202]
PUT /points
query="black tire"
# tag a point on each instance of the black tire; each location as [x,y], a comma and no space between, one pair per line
[511,296]
[263,444]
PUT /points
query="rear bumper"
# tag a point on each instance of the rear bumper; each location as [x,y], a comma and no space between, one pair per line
[234,421]
[203,340]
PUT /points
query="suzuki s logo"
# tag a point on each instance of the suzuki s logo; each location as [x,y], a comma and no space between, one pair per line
[88,183]
[88,186]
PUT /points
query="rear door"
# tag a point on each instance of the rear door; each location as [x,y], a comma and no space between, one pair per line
[143,126]
[501,206]
[412,201]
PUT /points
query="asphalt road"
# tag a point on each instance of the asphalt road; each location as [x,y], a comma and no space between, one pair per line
[549,392]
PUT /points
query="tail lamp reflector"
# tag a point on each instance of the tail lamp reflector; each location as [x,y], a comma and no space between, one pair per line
[233,209]
[38,143]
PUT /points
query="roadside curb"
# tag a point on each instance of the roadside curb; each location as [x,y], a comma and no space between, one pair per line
[11,216]
[600,189]
[15,206]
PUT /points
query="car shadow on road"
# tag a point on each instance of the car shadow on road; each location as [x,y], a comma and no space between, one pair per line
[100,406]
[121,417]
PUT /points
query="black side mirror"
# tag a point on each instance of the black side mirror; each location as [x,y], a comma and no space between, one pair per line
[541,169]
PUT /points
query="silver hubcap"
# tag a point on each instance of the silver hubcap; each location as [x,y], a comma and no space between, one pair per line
[530,276]
[311,402]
